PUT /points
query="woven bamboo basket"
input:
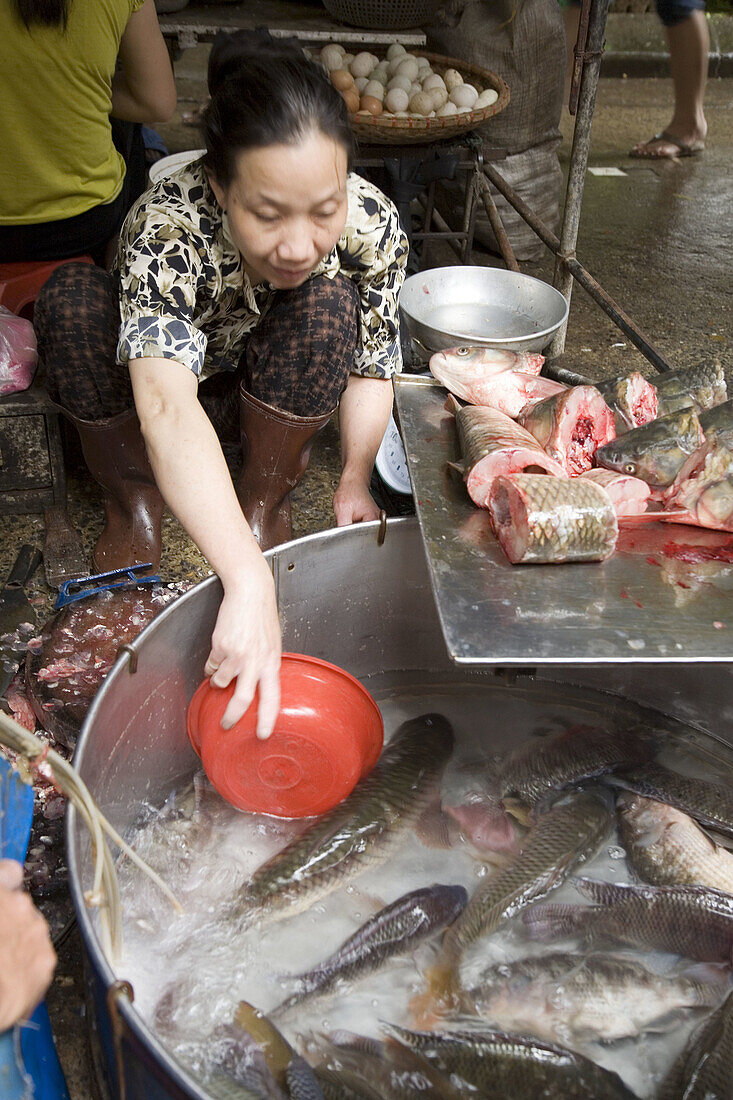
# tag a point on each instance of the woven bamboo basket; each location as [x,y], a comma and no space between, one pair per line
[414,129]
[382,15]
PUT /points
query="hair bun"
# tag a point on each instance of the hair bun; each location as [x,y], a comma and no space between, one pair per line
[233,51]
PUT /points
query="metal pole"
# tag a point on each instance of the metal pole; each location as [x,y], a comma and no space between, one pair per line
[563,279]
[578,272]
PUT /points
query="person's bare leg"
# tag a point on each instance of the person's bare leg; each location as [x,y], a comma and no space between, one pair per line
[571,19]
[689,45]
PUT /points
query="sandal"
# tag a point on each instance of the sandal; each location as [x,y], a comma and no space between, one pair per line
[682,148]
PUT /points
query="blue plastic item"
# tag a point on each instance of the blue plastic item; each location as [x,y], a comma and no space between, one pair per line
[29,1065]
[78,588]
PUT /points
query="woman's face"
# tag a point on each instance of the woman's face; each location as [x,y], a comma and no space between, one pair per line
[286,207]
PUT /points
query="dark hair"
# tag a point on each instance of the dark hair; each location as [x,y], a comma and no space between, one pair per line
[49,13]
[265,91]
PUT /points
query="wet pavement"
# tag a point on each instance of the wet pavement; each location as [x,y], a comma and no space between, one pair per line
[658,237]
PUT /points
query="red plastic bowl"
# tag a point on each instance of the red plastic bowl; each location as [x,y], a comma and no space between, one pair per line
[328,735]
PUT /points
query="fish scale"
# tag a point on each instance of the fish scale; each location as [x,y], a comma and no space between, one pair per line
[361,831]
[709,803]
[703,1070]
[699,387]
[655,452]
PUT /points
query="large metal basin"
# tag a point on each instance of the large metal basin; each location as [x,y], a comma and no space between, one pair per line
[345,598]
[446,307]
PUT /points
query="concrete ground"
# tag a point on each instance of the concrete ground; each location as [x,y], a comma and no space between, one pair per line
[658,237]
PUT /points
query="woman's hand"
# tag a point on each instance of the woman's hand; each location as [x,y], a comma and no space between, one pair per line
[352,502]
[246,645]
[27,957]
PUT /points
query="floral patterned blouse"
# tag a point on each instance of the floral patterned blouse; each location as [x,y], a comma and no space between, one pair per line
[184,294]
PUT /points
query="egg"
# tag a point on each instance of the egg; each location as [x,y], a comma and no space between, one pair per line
[486,98]
[374,90]
[464,95]
[402,82]
[424,64]
[361,83]
[452,79]
[341,79]
[396,99]
[351,99]
[362,64]
[446,110]
[396,50]
[407,67]
[379,76]
[332,57]
[438,97]
[421,104]
[433,81]
[348,58]
[371,104]
[415,88]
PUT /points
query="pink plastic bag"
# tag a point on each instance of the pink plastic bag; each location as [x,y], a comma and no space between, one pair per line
[18,353]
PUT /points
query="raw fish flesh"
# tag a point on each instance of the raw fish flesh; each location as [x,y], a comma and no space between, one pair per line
[547,519]
[630,495]
[491,444]
[706,494]
[570,426]
[632,399]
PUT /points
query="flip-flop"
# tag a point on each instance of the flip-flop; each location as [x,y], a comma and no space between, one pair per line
[683,149]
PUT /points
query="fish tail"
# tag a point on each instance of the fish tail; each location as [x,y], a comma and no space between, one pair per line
[550,922]
[443,987]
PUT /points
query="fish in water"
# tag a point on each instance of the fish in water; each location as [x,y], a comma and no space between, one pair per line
[629,495]
[485,823]
[704,489]
[703,1070]
[398,1072]
[241,1069]
[542,767]
[667,848]
[492,443]
[700,387]
[288,1069]
[717,423]
[395,930]
[564,836]
[632,399]
[360,832]
[569,997]
[549,520]
[711,804]
[571,426]
[655,452]
[694,921]
[514,1067]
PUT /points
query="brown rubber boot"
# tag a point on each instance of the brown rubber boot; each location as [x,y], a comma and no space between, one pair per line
[276,446]
[115,453]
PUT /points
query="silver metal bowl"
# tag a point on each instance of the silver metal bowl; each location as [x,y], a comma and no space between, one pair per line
[446,307]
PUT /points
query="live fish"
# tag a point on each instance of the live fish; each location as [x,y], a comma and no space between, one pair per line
[541,767]
[361,831]
[667,848]
[515,1067]
[703,1070]
[632,399]
[288,1068]
[571,426]
[699,387]
[540,519]
[566,835]
[395,930]
[694,921]
[492,443]
[397,1071]
[711,804]
[566,997]
[629,495]
[655,452]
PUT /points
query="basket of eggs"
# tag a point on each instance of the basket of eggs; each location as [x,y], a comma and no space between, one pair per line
[412,97]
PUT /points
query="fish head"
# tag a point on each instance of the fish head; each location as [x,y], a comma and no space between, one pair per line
[654,452]
[621,457]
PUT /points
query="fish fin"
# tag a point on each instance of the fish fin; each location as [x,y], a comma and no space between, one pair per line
[554,921]
[433,827]
[518,810]
[440,995]
[718,840]
[451,405]
[456,468]
[712,974]
[606,893]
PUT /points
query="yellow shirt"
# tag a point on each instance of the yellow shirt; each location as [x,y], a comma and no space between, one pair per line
[57,159]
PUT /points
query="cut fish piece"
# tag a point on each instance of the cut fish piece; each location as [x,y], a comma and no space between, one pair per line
[546,519]
[630,495]
[492,444]
[467,371]
[655,452]
[705,496]
[632,399]
[700,387]
[571,426]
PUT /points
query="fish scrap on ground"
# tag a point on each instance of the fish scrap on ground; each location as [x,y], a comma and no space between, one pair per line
[655,452]
[540,768]
[699,387]
[711,804]
[514,1067]
[703,1070]
[632,399]
[492,443]
[667,848]
[694,921]
[361,831]
[394,930]
[540,519]
[571,426]
[566,998]
[629,495]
